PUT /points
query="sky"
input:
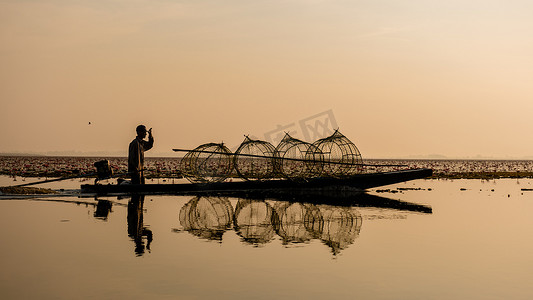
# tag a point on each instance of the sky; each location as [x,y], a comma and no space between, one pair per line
[401,78]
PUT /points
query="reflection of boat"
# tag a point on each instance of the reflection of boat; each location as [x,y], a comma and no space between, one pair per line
[354,182]
[258,219]
[333,197]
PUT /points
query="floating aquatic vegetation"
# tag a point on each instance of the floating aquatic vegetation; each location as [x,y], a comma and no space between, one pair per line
[25,190]
[20,167]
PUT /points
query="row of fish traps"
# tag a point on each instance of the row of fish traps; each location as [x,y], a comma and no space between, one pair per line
[334,156]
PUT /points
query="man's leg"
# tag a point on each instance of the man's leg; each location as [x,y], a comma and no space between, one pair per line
[142,177]
[136,178]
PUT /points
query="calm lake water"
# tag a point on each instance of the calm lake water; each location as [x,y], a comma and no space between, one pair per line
[461,239]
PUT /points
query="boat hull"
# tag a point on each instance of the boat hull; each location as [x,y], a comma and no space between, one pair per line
[359,182]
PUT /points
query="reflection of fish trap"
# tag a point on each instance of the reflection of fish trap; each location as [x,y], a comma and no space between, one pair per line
[341,156]
[296,159]
[207,217]
[341,226]
[207,163]
[253,160]
[289,223]
[253,221]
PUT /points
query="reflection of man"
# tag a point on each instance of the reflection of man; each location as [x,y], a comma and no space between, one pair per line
[136,154]
[136,229]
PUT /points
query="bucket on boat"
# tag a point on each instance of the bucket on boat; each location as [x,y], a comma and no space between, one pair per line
[103,170]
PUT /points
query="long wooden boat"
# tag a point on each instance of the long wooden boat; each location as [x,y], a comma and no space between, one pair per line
[359,182]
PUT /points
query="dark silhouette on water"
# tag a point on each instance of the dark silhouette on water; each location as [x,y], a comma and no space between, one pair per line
[136,154]
[136,229]
[103,208]
[346,198]
[336,226]
[257,220]
[207,217]
[253,221]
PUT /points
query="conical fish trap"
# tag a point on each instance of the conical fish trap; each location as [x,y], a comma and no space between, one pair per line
[341,156]
[207,163]
[298,160]
[254,160]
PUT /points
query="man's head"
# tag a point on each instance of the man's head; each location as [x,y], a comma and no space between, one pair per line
[141,131]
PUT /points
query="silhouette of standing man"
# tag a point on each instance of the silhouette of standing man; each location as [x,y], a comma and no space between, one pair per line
[136,154]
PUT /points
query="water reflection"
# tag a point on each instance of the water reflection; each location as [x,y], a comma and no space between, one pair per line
[136,230]
[254,221]
[259,219]
[258,222]
[103,208]
[337,227]
[292,224]
[207,218]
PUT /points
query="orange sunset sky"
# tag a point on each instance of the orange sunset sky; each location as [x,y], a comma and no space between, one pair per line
[402,78]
